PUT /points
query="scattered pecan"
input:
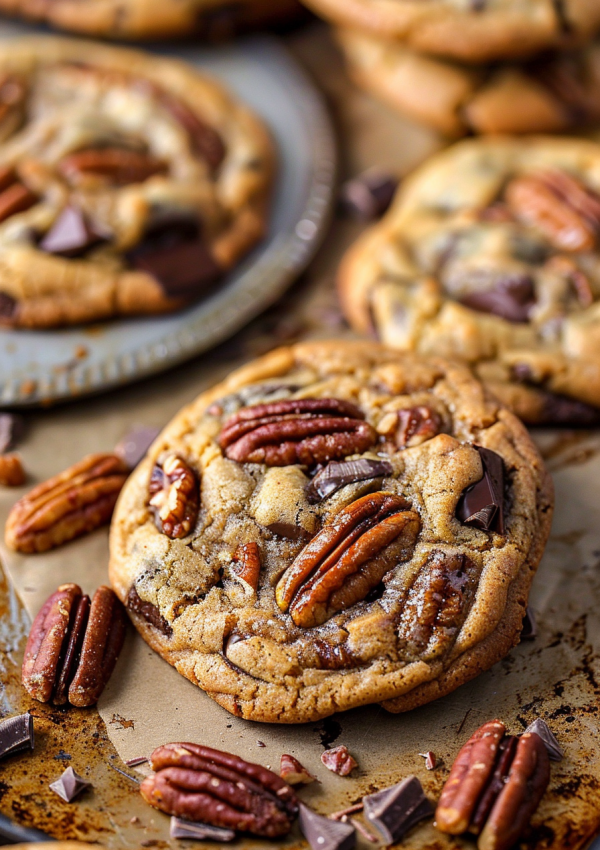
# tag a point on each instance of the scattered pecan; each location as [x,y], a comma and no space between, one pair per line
[119,166]
[73,646]
[416,425]
[293,772]
[73,503]
[15,197]
[348,558]
[339,760]
[174,496]
[430,760]
[566,211]
[307,431]
[494,787]
[221,789]
[12,473]
[246,564]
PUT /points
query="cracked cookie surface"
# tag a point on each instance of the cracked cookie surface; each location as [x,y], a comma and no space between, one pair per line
[490,253]
[129,183]
[336,524]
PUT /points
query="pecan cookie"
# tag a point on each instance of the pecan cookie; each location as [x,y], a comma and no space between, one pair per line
[334,525]
[490,253]
[473,31]
[129,183]
[145,19]
[554,92]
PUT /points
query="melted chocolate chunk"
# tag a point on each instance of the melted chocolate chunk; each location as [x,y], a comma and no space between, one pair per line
[482,504]
[134,445]
[16,735]
[69,785]
[541,728]
[8,306]
[148,611]
[289,531]
[12,427]
[71,235]
[395,810]
[325,834]
[188,831]
[368,196]
[336,475]
[511,298]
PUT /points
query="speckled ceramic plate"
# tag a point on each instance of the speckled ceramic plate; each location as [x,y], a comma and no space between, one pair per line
[42,367]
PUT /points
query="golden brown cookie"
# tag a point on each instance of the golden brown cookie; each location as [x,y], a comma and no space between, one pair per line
[129,183]
[336,524]
[490,253]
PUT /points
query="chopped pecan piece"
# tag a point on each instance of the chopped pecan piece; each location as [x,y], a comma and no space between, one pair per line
[73,646]
[246,564]
[221,789]
[416,425]
[73,503]
[307,431]
[174,496]
[348,558]
[12,473]
[494,787]
[293,772]
[339,760]
[118,166]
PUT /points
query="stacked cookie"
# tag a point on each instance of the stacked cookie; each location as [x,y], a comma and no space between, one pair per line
[475,68]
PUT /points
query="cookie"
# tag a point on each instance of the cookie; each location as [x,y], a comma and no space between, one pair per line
[129,183]
[477,31]
[146,19]
[490,253]
[334,525]
[554,92]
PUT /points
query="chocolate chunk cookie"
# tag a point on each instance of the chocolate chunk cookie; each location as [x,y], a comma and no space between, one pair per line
[334,525]
[145,19]
[553,92]
[129,183]
[490,253]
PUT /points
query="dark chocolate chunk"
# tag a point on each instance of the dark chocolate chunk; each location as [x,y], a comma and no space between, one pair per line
[336,475]
[189,831]
[482,504]
[561,410]
[289,531]
[529,630]
[69,785]
[511,298]
[323,833]
[8,306]
[395,810]
[148,611]
[368,196]
[134,445]
[541,728]
[71,235]
[12,427]
[16,735]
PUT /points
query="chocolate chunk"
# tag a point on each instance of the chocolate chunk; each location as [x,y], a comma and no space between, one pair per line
[368,196]
[8,306]
[560,410]
[189,831]
[541,728]
[148,611]
[134,445]
[12,427]
[482,504]
[395,810]
[336,475]
[529,630]
[69,785]
[511,297]
[289,531]
[204,140]
[71,235]
[323,833]
[16,735]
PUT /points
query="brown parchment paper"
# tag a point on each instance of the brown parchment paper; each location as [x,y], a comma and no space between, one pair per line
[556,676]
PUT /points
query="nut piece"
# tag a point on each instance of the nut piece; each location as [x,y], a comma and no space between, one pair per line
[494,787]
[246,564]
[201,784]
[118,166]
[348,558]
[174,496]
[339,760]
[73,503]
[12,473]
[307,431]
[416,425]
[73,646]
[293,772]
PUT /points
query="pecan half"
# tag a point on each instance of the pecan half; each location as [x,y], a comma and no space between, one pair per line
[174,496]
[307,431]
[73,646]
[566,211]
[221,789]
[416,425]
[118,166]
[348,558]
[73,503]
[12,473]
[494,787]
[15,197]
[339,760]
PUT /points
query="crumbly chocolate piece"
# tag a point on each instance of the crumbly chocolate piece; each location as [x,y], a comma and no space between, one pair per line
[69,785]
[325,834]
[541,728]
[395,810]
[16,735]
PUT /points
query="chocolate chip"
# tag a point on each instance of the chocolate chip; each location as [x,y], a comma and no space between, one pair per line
[134,445]
[16,735]
[323,833]
[186,830]
[541,728]
[148,611]
[395,810]
[368,196]
[8,306]
[12,428]
[529,630]
[71,235]
[69,785]
[482,504]
[511,298]
[337,475]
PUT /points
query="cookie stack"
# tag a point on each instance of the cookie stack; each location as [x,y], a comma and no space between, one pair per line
[480,67]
